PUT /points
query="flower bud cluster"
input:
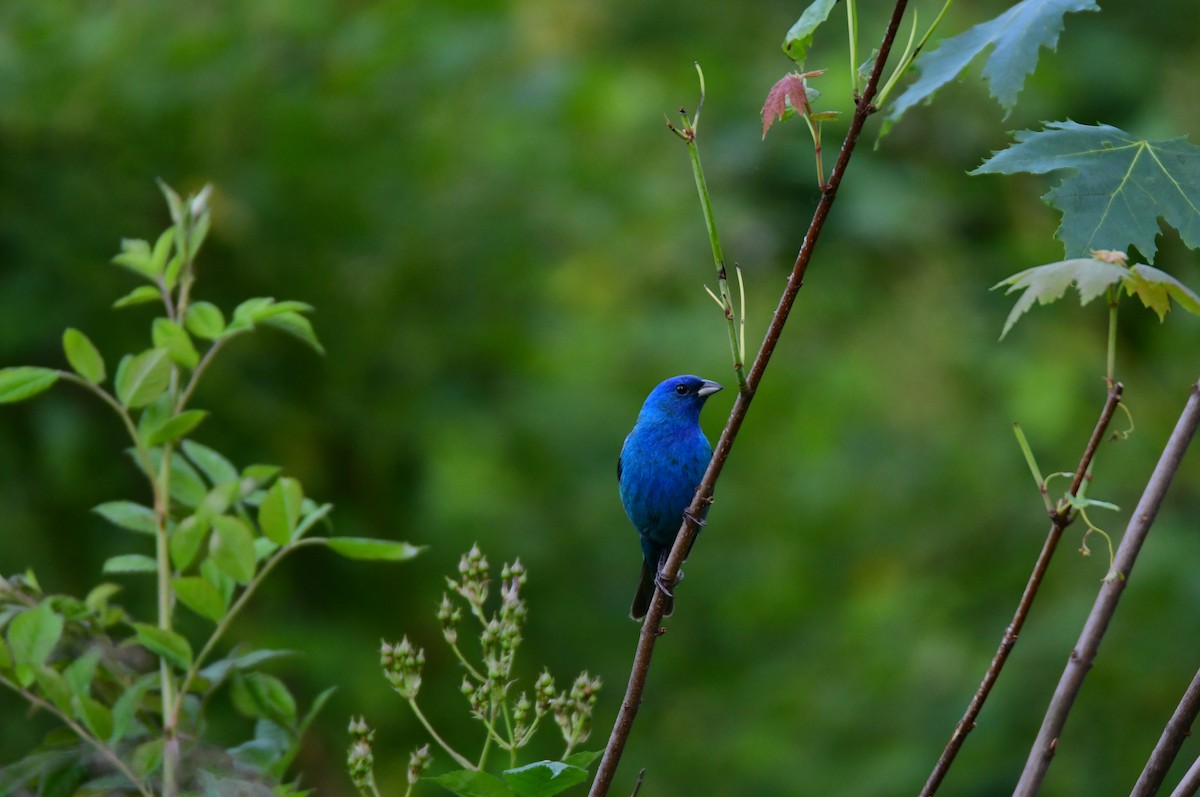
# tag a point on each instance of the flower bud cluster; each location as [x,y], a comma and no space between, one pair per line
[360,761]
[573,710]
[418,762]
[473,578]
[402,665]
[449,617]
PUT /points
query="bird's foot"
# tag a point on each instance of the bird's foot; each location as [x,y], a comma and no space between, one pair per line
[662,585]
[699,522]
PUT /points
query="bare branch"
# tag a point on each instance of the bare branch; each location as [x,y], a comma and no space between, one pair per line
[1105,605]
[1059,520]
[651,626]
[1179,727]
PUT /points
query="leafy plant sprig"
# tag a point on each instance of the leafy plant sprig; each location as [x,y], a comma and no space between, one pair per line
[215,532]
[509,719]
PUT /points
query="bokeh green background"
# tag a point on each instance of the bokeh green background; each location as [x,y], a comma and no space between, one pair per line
[505,250]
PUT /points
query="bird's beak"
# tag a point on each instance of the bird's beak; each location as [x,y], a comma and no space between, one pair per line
[708,388]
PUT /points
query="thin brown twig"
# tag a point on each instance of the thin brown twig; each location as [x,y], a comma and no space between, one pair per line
[1105,606]
[652,625]
[1059,520]
[1178,728]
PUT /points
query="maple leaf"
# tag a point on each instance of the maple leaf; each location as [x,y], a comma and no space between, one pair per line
[1016,38]
[1118,187]
[789,95]
[1092,276]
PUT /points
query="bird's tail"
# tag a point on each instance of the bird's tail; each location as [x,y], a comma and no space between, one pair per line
[645,593]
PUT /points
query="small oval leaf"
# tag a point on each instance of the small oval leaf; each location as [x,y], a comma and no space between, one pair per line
[20,383]
[143,377]
[373,550]
[83,356]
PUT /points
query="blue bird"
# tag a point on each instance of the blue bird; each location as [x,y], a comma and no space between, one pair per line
[661,464]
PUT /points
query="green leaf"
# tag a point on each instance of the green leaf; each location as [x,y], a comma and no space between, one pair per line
[373,550]
[800,36]
[167,644]
[54,686]
[128,515]
[125,709]
[186,485]
[231,548]
[220,669]
[261,475]
[186,541]
[297,326]
[136,256]
[143,377]
[205,320]
[94,714]
[200,596]
[142,294]
[130,563]
[257,694]
[168,335]
[1156,289]
[467,783]
[279,512]
[1048,283]
[219,579]
[1117,187]
[147,757]
[22,382]
[218,469]
[162,250]
[83,356]
[80,672]
[175,427]
[97,598]
[311,519]
[33,633]
[174,203]
[6,656]
[583,758]
[544,778]
[1016,37]
[198,233]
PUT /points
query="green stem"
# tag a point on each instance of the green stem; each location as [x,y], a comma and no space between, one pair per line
[1033,466]
[236,608]
[458,758]
[142,454]
[1112,336]
[104,750]
[714,240]
[197,372]
[852,35]
[170,711]
[910,54]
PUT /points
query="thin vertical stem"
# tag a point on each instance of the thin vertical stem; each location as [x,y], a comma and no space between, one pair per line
[1178,728]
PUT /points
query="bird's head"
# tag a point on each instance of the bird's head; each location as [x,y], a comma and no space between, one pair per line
[680,396]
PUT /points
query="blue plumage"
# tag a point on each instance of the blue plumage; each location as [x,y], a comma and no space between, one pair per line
[662,462]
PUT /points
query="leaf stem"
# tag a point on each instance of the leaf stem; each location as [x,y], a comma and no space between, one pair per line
[852,38]
[911,53]
[1112,334]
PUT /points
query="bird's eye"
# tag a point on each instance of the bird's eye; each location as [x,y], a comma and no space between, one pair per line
[681,390]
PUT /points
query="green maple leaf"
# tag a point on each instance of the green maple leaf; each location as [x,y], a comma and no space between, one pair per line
[1016,37]
[1118,187]
[1093,276]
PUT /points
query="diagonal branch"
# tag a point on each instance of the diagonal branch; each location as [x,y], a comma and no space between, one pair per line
[1179,727]
[652,625]
[1105,605]
[1059,520]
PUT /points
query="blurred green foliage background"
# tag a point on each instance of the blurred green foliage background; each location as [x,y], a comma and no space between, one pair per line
[506,252]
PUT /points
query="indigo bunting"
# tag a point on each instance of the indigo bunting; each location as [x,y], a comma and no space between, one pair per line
[661,464]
